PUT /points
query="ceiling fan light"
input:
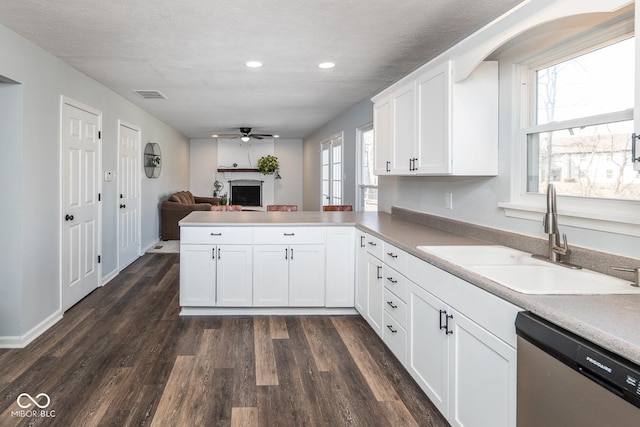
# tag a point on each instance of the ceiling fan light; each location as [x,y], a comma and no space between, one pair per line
[244,138]
[326,65]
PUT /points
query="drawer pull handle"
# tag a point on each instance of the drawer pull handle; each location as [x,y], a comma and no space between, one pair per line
[393,331]
[216,234]
[372,243]
[391,304]
[379,275]
[286,252]
[392,255]
[391,280]
[289,234]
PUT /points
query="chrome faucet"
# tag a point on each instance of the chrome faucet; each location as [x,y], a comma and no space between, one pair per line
[557,249]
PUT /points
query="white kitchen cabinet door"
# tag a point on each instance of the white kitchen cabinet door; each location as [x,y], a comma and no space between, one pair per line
[482,376]
[271,275]
[340,267]
[234,280]
[403,129]
[375,287]
[428,353]
[197,276]
[361,296]
[433,96]
[306,276]
[383,135]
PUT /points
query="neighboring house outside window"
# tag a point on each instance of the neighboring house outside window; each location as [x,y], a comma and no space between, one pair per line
[331,170]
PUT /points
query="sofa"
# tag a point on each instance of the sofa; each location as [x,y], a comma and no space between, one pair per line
[177,206]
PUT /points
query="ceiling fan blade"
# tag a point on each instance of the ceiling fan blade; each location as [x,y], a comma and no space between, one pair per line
[255,136]
[261,135]
[229,136]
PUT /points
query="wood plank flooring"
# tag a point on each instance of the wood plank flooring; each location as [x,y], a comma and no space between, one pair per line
[124,357]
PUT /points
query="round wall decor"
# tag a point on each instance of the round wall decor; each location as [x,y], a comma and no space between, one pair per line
[152,160]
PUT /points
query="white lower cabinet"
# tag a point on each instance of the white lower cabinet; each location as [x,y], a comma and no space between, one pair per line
[340,267]
[217,275]
[361,273]
[375,286]
[288,275]
[466,367]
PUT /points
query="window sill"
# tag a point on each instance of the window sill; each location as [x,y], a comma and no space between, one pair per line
[626,223]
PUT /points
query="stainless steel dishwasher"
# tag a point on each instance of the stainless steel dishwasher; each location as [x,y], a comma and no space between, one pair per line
[565,380]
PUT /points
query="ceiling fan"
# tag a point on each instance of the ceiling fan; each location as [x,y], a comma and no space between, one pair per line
[245,135]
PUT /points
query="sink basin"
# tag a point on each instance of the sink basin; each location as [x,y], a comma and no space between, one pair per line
[518,271]
[481,255]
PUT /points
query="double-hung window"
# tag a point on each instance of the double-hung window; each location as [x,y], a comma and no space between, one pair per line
[367,180]
[576,129]
[331,170]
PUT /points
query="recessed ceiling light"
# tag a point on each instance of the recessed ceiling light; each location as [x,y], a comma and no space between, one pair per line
[276,136]
[326,65]
[215,135]
[253,64]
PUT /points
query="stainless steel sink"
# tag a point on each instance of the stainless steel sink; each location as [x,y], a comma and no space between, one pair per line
[517,270]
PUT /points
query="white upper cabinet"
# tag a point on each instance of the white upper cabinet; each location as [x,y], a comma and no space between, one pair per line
[431,126]
[382,134]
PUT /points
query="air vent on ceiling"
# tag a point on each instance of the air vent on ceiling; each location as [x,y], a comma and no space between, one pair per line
[150,94]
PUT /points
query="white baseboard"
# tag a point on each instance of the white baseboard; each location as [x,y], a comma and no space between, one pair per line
[273,311]
[109,277]
[35,332]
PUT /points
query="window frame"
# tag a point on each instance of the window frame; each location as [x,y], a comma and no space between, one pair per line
[610,215]
[336,140]
[360,187]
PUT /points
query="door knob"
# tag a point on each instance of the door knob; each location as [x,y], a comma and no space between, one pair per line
[68,217]
[123,206]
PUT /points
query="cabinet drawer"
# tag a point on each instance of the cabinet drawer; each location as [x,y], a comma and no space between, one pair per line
[289,235]
[395,257]
[395,337]
[395,282]
[374,246]
[216,235]
[394,306]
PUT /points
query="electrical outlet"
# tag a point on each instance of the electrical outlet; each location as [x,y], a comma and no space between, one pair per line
[448,200]
[108,176]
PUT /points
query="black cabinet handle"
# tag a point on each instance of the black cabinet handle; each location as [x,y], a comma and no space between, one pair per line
[216,234]
[388,168]
[289,234]
[446,325]
[379,272]
[391,304]
[372,243]
[392,280]
[393,331]
[286,253]
[291,253]
[218,253]
[392,255]
[122,206]
[68,217]
[362,241]
[441,313]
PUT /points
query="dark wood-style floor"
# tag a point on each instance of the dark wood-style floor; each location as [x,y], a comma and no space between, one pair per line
[123,357]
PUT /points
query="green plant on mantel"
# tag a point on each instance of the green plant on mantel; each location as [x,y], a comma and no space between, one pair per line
[268,164]
[155,161]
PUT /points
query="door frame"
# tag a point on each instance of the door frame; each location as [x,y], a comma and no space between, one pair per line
[139,189]
[76,104]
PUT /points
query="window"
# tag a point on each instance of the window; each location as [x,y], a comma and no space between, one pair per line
[576,120]
[367,181]
[331,170]
[581,124]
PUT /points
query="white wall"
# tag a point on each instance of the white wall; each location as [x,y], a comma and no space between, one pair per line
[348,122]
[204,164]
[43,79]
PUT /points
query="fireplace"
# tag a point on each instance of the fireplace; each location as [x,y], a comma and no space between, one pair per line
[246,192]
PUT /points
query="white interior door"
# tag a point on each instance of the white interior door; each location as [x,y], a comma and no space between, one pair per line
[129,195]
[81,235]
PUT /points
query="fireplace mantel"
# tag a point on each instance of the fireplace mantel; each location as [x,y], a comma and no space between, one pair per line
[238,170]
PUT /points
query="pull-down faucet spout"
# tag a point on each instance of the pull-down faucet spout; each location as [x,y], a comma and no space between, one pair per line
[557,248]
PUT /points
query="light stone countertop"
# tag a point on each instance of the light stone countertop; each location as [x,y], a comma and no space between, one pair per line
[611,321]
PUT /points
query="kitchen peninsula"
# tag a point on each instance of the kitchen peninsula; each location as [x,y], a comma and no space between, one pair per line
[607,320]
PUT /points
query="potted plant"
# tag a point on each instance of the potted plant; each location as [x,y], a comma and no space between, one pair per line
[268,164]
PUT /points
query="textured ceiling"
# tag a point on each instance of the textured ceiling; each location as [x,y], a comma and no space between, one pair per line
[194,52]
